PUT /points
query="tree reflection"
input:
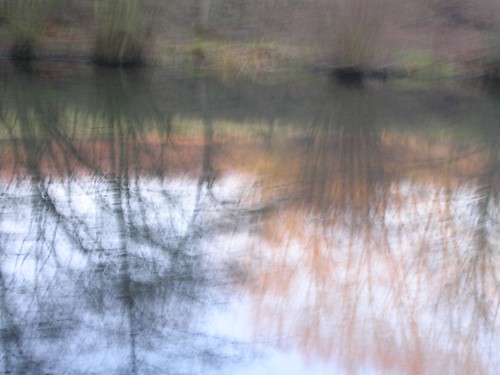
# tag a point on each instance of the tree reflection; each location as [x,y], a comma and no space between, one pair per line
[343,163]
[369,245]
[382,260]
[102,266]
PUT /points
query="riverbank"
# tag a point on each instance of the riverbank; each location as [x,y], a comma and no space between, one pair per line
[228,59]
[412,41]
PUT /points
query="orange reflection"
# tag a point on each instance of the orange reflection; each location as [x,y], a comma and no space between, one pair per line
[388,255]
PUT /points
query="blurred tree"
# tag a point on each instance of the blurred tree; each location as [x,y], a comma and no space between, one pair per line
[123,31]
[25,20]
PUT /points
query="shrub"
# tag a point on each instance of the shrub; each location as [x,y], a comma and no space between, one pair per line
[351,31]
[491,54]
[25,20]
[122,33]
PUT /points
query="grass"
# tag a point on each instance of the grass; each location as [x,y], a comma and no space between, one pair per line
[417,64]
[233,59]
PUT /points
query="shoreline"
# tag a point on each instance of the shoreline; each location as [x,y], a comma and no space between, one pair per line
[188,63]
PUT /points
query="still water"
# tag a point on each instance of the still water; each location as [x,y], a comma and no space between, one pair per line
[157,224]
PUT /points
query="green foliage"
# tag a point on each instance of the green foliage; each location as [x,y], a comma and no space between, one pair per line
[122,33]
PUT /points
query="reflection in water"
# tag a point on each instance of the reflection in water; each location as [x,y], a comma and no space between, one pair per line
[133,207]
[102,266]
[383,259]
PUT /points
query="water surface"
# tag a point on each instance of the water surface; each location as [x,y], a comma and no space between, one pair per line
[152,223]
